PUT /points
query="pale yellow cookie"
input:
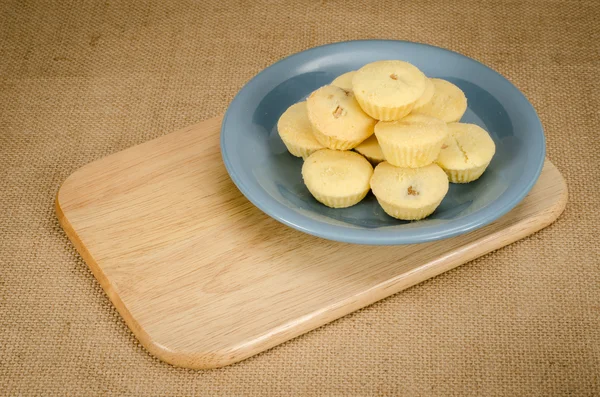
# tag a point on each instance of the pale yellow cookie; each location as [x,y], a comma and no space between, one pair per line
[371,150]
[344,81]
[296,132]
[414,141]
[409,193]
[388,90]
[466,153]
[427,95]
[338,121]
[337,179]
[448,103]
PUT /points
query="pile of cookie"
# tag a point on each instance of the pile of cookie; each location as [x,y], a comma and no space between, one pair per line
[387,114]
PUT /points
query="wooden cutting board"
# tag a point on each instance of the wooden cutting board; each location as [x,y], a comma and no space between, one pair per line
[205,279]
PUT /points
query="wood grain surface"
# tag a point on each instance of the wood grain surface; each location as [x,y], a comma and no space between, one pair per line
[204,279]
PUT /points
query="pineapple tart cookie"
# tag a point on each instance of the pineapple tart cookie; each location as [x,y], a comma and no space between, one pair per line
[338,179]
[296,133]
[414,141]
[344,81]
[338,121]
[448,103]
[409,193]
[466,153]
[371,150]
[388,90]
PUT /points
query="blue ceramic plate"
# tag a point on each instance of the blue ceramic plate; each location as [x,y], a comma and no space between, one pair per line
[270,177]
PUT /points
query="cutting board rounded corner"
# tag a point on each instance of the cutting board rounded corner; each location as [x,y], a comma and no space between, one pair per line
[192,360]
[160,350]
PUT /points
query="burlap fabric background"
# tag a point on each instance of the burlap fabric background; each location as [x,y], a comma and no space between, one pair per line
[82,79]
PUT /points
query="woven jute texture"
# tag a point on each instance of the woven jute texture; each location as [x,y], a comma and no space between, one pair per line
[82,79]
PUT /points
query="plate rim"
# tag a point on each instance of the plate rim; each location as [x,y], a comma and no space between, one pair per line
[298,221]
